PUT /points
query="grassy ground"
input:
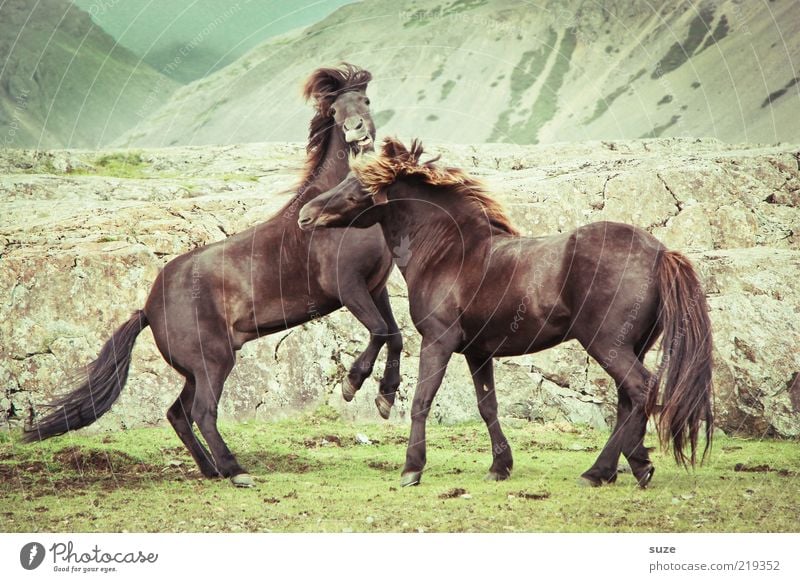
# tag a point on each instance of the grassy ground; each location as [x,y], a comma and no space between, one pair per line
[314,476]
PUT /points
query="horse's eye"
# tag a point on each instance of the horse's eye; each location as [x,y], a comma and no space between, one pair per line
[333,111]
[367,101]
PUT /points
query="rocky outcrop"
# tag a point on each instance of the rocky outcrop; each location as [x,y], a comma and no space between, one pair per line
[83,235]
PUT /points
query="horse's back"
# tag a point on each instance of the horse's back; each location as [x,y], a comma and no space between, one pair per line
[611,285]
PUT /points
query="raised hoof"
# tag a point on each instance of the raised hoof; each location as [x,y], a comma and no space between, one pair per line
[644,481]
[494,476]
[409,479]
[384,406]
[349,390]
[243,480]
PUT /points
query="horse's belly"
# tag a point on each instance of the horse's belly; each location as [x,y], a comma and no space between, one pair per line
[521,331]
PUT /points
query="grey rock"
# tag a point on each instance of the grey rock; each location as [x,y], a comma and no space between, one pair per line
[78,252]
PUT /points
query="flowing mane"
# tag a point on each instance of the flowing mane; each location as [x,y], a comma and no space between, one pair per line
[378,172]
[324,86]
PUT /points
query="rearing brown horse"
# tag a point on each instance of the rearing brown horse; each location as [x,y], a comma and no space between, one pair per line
[476,287]
[207,303]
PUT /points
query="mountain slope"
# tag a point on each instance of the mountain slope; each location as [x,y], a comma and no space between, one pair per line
[188,39]
[64,82]
[474,70]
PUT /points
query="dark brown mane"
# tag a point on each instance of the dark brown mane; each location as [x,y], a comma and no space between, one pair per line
[395,161]
[324,86]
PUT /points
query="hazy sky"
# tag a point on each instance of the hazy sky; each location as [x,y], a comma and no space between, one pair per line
[158,30]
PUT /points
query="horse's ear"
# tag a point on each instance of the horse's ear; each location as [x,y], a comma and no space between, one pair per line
[393,149]
[416,151]
[356,78]
[380,198]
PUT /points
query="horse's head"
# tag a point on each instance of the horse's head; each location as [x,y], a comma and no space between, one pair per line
[347,204]
[340,95]
[358,199]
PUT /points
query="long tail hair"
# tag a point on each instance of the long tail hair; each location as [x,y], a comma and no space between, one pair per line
[684,377]
[100,385]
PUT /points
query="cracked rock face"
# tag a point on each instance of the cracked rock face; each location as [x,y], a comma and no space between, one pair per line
[81,242]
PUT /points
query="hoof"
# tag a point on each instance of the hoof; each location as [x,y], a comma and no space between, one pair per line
[495,476]
[384,406]
[587,482]
[243,480]
[409,479]
[349,390]
[644,481]
[590,479]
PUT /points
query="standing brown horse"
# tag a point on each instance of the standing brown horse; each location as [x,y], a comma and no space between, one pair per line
[476,287]
[207,303]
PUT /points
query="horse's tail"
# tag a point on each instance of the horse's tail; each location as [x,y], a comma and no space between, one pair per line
[685,369]
[100,385]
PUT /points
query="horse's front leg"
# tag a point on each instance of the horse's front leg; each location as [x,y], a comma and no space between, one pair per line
[391,373]
[356,297]
[433,359]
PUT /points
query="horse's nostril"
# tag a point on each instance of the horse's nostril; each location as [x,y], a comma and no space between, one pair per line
[360,124]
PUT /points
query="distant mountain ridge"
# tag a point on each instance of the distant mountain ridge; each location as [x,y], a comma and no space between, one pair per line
[469,71]
[66,83]
[189,39]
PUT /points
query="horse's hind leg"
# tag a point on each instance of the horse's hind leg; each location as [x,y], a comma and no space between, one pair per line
[210,378]
[180,417]
[482,371]
[632,381]
[391,373]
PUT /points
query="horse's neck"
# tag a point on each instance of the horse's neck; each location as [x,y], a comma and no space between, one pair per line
[331,170]
[423,241]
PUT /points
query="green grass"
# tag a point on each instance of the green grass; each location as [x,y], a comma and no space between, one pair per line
[381,118]
[603,104]
[721,31]
[313,476]
[546,104]
[447,87]
[117,165]
[523,76]
[660,129]
[679,53]
[237,177]
[424,17]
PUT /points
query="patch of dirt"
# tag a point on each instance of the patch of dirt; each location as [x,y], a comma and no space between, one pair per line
[742,468]
[92,461]
[175,451]
[532,496]
[81,469]
[396,440]
[328,440]
[453,493]
[573,448]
